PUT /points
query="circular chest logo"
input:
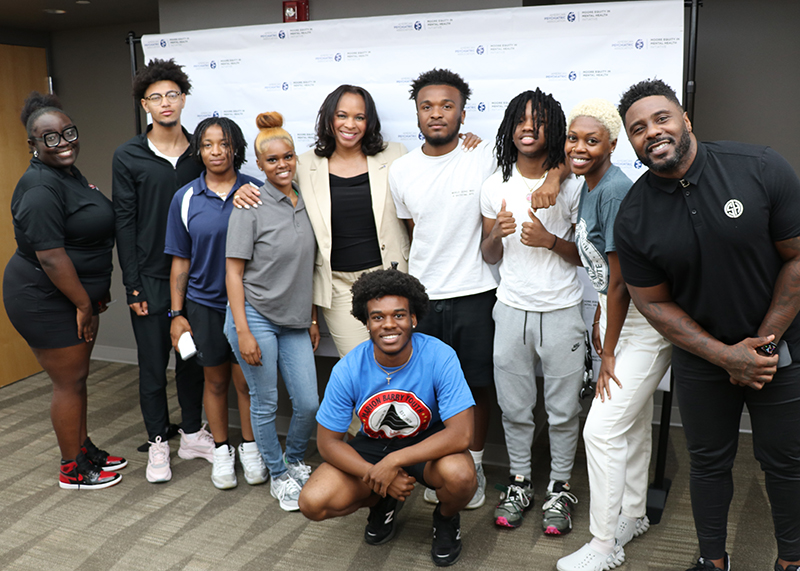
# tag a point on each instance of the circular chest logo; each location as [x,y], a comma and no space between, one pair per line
[394,414]
[733,208]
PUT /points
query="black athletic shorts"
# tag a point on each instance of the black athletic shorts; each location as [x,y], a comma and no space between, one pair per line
[373,450]
[208,331]
[466,324]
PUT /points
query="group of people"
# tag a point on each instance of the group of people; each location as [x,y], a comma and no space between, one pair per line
[399,252]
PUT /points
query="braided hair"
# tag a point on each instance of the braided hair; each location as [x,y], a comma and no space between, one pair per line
[546,111]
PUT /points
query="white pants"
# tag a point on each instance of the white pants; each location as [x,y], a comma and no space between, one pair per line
[618,431]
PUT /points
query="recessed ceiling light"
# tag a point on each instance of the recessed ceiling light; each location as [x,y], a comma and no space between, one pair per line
[53,11]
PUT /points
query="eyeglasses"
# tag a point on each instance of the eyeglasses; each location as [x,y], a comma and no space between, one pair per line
[53,139]
[155,98]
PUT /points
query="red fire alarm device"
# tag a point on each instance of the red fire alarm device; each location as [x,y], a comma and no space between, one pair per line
[295,11]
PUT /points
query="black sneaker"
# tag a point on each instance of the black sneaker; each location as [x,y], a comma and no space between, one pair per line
[446,544]
[81,474]
[382,521]
[704,564]
[101,458]
[779,567]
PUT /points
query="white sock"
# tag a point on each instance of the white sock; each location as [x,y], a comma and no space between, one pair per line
[477,457]
[602,546]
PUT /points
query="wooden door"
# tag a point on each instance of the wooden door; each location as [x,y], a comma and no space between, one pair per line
[22,69]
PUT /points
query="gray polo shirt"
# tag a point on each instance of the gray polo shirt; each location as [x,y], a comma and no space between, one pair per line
[278,243]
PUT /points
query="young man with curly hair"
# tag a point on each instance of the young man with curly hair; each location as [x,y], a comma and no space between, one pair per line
[416,412]
[147,170]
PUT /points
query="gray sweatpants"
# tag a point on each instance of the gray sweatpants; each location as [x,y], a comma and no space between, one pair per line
[521,340]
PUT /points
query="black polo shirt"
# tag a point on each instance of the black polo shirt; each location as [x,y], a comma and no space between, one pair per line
[143,185]
[52,208]
[711,237]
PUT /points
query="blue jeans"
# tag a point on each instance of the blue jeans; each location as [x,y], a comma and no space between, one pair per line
[290,351]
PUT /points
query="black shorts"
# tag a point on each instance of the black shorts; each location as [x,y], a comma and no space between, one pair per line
[373,450]
[466,324]
[37,309]
[208,330]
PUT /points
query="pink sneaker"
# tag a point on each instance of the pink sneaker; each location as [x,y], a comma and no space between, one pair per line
[199,444]
[158,469]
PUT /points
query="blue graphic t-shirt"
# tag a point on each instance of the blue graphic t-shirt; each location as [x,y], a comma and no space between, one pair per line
[431,387]
[594,233]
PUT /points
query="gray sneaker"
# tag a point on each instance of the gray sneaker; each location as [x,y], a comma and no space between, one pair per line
[287,491]
[557,510]
[298,470]
[516,498]
[480,494]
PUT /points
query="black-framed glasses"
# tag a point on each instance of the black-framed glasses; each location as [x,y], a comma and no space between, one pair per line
[155,98]
[53,139]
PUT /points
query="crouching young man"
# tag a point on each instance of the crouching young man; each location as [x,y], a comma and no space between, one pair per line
[416,421]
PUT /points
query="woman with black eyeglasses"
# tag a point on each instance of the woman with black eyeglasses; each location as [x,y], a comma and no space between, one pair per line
[57,281]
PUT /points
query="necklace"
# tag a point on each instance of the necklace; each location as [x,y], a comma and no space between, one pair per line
[390,375]
[535,185]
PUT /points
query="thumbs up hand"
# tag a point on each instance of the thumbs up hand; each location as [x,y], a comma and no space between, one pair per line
[504,224]
[534,233]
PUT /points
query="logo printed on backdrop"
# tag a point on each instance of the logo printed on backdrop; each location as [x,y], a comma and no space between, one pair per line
[418,25]
[213,64]
[215,114]
[163,43]
[479,50]
[639,44]
[481,107]
[637,164]
[571,17]
[421,137]
[337,57]
[281,34]
[285,86]
[573,76]
[733,208]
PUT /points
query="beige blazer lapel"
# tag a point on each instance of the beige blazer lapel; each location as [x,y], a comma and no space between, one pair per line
[378,183]
[320,192]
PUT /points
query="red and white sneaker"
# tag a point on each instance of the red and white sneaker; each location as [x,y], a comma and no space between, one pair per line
[81,474]
[101,458]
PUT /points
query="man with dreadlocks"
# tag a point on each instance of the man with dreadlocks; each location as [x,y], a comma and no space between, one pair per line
[436,189]
[538,310]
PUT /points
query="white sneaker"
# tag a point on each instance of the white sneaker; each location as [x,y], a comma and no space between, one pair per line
[298,470]
[430,496]
[287,491]
[255,471]
[480,494]
[587,559]
[198,444]
[158,469]
[223,473]
[629,527]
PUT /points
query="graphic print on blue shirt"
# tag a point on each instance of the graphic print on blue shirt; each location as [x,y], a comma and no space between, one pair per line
[394,414]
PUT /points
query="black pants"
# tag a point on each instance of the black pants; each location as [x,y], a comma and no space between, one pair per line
[710,411]
[153,346]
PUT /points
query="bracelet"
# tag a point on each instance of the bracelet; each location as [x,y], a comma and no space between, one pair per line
[554,242]
[595,323]
[313,322]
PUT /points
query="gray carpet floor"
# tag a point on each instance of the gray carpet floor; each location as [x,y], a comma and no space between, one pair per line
[188,524]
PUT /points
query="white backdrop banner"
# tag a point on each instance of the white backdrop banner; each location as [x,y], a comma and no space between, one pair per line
[573,51]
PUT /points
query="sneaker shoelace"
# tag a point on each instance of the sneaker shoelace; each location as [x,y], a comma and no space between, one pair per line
[300,469]
[517,495]
[158,452]
[290,488]
[252,460]
[558,502]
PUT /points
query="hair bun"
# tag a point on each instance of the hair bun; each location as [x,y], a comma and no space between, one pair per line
[36,101]
[269,120]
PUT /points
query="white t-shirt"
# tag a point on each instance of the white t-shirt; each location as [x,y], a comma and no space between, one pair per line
[534,279]
[442,196]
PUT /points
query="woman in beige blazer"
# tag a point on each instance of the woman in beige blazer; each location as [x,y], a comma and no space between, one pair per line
[344,183]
